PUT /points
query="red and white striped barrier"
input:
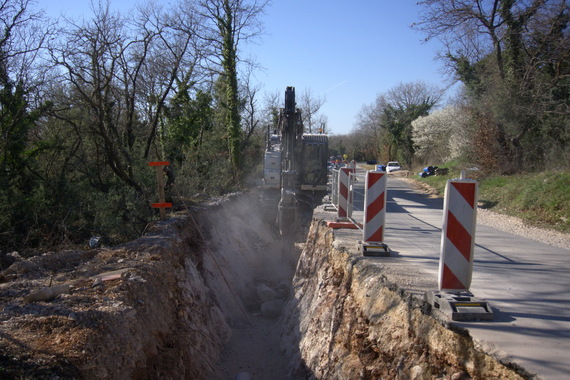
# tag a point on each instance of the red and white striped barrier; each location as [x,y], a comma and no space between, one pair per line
[374,213]
[458,235]
[454,300]
[351,180]
[343,193]
[375,209]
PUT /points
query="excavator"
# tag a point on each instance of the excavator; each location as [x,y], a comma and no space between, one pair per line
[295,165]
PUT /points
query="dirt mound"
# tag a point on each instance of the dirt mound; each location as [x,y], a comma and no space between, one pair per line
[137,311]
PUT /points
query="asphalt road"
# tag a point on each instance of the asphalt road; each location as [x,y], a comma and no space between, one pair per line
[526,282]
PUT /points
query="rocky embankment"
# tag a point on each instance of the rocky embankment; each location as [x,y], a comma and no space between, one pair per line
[347,320]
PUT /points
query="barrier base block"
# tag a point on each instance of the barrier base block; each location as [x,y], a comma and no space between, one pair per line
[330,207]
[369,248]
[459,305]
[349,225]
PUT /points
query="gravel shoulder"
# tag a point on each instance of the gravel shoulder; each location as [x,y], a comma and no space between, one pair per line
[518,227]
[507,223]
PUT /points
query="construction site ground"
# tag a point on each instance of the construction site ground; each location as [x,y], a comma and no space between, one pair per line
[209,294]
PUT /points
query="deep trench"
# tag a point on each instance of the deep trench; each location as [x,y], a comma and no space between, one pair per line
[256,294]
[317,310]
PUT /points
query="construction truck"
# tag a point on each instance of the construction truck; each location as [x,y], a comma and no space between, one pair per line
[295,166]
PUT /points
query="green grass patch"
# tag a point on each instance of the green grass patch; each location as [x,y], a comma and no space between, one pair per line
[540,199]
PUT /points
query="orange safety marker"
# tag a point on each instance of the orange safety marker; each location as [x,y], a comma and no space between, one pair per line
[161,205]
[160,180]
[159,163]
[348,225]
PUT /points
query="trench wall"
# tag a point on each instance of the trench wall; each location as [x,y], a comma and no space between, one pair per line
[139,311]
[347,321]
[160,307]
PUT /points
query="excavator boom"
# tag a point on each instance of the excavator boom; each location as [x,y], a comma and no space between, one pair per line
[295,163]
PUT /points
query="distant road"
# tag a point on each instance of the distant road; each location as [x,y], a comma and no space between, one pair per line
[526,282]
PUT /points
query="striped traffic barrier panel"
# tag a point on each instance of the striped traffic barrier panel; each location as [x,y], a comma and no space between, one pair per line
[350,207]
[334,186]
[343,187]
[374,214]
[454,299]
[344,207]
[458,234]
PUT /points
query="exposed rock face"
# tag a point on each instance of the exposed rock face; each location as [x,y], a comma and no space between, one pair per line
[348,322]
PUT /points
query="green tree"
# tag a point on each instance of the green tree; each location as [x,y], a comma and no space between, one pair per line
[188,120]
[388,122]
[513,56]
[228,23]
[397,121]
[23,202]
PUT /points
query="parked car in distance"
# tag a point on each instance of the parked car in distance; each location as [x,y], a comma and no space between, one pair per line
[393,166]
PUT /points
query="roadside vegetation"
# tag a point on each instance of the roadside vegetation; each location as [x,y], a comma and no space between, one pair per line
[86,104]
[540,199]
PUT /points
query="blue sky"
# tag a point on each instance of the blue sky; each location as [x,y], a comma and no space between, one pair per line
[347,51]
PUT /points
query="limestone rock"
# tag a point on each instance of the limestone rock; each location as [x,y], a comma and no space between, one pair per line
[272,309]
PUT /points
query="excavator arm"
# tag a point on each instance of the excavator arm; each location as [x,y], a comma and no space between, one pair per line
[291,130]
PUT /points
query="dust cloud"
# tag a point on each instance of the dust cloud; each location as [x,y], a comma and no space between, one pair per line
[249,272]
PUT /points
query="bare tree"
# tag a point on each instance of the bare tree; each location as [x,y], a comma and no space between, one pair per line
[322,124]
[251,111]
[369,127]
[171,54]
[24,34]
[310,106]
[406,95]
[465,27]
[120,78]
